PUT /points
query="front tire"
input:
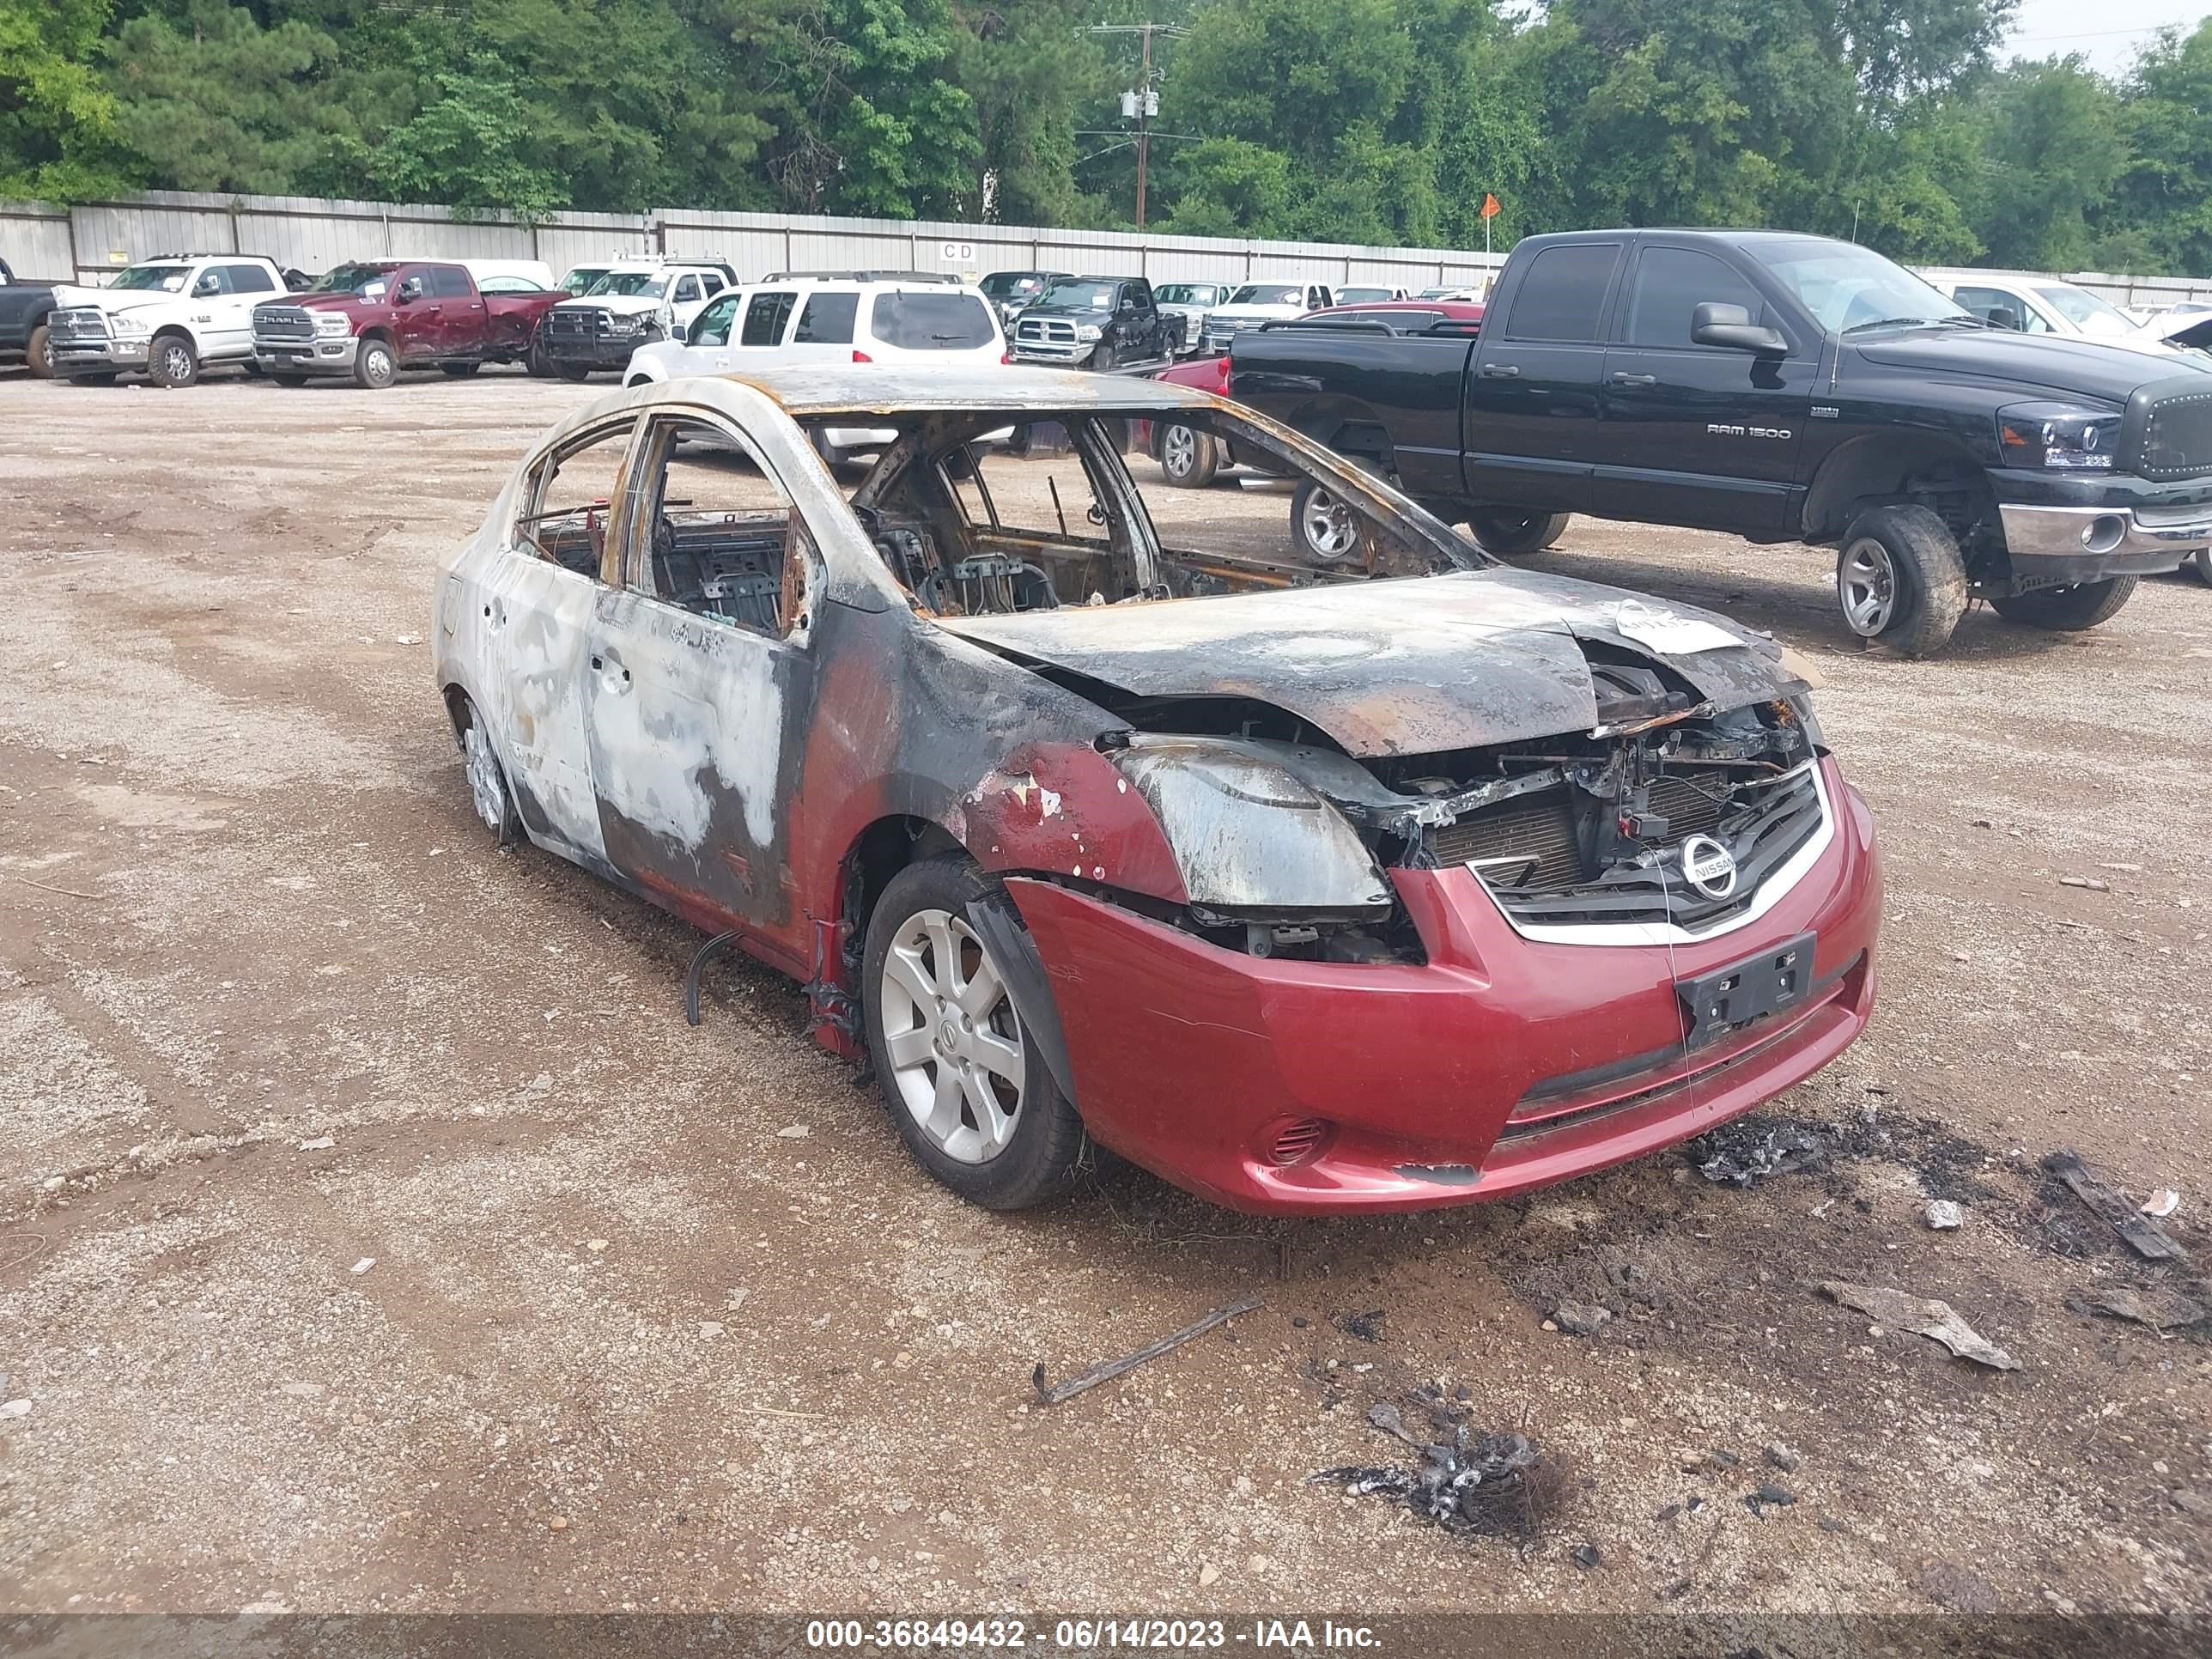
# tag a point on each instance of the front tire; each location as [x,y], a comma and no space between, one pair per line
[1190,458]
[2067,609]
[2200,564]
[38,352]
[576,371]
[961,1077]
[1899,580]
[1512,535]
[1103,359]
[374,366]
[172,362]
[487,786]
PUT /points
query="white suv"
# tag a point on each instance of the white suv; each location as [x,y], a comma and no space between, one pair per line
[905,319]
[167,317]
[635,301]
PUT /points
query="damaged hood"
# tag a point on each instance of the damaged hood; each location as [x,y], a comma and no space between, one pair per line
[1411,667]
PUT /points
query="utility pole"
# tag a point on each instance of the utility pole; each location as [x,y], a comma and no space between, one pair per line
[1144,118]
[1141,103]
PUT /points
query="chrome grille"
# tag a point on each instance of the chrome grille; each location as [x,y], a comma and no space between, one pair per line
[286,323]
[1037,331]
[1541,880]
[576,324]
[84,324]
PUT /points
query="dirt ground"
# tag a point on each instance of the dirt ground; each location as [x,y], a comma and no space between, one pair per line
[375,1234]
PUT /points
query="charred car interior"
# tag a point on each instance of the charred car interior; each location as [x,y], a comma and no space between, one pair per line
[1454,878]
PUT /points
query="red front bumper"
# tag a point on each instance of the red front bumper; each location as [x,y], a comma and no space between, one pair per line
[1190,1059]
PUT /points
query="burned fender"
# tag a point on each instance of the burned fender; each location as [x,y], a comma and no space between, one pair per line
[1000,927]
[1065,810]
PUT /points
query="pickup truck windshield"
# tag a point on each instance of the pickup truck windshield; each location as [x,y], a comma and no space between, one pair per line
[1081,297]
[2086,311]
[1361,296]
[1186,293]
[350,279]
[1850,287]
[651,283]
[1267,294]
[169,278]
[580,280]
[1004,284]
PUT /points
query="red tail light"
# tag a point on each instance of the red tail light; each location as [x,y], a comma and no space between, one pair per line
[862,357]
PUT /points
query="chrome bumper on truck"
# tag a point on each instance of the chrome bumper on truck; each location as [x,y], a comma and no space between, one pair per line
[84,339]
[285,342]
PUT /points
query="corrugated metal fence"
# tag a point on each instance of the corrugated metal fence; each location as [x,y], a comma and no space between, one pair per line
[314,234]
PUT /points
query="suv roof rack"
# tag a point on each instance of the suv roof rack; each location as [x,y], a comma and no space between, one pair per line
[952,277]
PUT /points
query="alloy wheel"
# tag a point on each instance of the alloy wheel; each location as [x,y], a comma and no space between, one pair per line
[1866,586]
[959,1061]
[487,786]
[1178,451]
[176,362]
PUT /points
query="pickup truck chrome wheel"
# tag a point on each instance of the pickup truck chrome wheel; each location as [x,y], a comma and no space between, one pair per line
[40,356]
[958,1060]
[374,365]
[1866,588]
[1327,528]
[1190,459]
[174,362]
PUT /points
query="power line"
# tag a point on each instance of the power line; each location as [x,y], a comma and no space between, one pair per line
[1142,103]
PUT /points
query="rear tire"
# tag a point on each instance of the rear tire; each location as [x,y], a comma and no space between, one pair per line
[172,362]
[1190,458]
[1325,529]
[1510,535]
[1899,580]
[38,352]
[577,372]
[374,366]
[2067,609]
[2200,564]
[964,1080]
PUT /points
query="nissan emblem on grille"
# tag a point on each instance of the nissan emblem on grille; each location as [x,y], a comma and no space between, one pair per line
[1708,867]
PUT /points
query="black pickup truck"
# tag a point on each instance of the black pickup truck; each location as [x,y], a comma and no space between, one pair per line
[24,310]
[1779,388]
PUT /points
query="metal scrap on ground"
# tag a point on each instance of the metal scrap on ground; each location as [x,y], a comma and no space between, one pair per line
[2143,1235]
[1929,1317]
[1112,1369]
[2162,1310]
[1752,1152]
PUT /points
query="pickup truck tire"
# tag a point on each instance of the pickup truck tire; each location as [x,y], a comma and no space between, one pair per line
[1327,530]
[2067,609]
[1102,359]
[172,361]
[102,378]
[38,352]
[1899,580]
[2200,562]
[289,379]
[579,372]
[1507,534]
[1188,458]
[374,366]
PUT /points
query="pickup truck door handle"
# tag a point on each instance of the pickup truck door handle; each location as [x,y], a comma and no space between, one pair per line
[1501,371]
[1622,377]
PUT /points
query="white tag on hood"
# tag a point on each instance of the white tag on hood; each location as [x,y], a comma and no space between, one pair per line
[1667,634]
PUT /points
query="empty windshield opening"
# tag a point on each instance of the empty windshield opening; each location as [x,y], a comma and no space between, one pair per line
[650,284]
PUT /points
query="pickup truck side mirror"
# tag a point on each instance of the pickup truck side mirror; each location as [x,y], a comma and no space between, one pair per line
[680,334]
[1715,324]
[411,289]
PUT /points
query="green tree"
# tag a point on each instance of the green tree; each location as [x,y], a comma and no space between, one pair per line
[2159,219]
[474,147]
[1031,76]
[57,130]
[2054,150]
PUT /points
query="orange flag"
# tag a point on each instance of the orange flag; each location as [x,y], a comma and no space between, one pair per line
[1490,207]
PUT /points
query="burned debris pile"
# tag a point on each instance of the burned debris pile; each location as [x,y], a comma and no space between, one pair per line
[1463,1481]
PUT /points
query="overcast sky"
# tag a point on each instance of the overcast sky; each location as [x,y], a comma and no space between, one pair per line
[2107,33]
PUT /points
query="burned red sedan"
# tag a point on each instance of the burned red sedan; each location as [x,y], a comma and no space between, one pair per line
[1083,808]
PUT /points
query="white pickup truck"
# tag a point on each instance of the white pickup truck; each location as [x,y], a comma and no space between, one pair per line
[170,318]
[633,302]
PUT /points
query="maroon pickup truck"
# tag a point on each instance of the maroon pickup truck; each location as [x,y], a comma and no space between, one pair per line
[371,320]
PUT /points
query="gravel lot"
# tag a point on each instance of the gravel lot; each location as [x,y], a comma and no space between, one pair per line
[374,1233]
